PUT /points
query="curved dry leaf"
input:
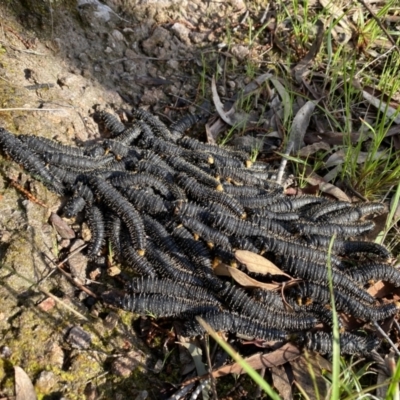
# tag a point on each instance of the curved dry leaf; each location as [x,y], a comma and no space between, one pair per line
[284,95]
[231,117]
[315,179]
[313,148]
[24,389]
[281,382]
[258,264]
[300,124]
[242,279]
[308,374]
[62,228]
[287,352]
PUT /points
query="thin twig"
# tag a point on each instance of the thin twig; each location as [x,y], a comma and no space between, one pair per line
[57,300]
[383,333]
[30,109]
[284,162]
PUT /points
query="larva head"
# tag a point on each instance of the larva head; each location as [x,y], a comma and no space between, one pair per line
[220,188]
[249,163]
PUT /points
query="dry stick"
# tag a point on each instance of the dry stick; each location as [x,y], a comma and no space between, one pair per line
[383,333]
[56,299]
[68,276]
[284,162]
[378,21]
[212,379]
[30,109]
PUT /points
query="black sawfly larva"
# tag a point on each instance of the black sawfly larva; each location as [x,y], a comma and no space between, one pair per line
[166,306]
[238,300]
[322,342]
[21,154]
[376,271]
[74,205]
[233,322]
[41,145]
[110,122]
[118,204]
[348,247]
[330,229]
[157,126]
[179,127]
[135,261]
[169,267]
[206,195]
[80,163]
[181,165]
[95,221]
[318,273]
[208,234]
[344,302]
[169,287]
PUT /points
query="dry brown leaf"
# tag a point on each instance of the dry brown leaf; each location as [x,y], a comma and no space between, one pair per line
[231,117]
[300,124]
[213,129]
[242,279]
[287,352]
[336,10]
[391,112]
[326,187]
[281,382]
[62,228]
[24,389]
[380,289]
[303,378]
[313,148]
[258,264]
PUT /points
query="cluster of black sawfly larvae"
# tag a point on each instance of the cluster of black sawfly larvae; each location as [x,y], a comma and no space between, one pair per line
[171,205]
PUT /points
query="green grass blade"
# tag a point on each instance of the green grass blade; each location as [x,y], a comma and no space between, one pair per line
[257,378]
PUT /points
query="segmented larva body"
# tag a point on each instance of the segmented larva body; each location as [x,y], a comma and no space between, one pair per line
[318,273]
[80,163]
[375,271]
[227,152]
[145,201]
[110,122]
[135,261]
[322,342]
[95,221]
[166,306]
[181,165]
[330,229]
[348,247]
[21,154]
[179,127]
[41,145]
[169,287]
[206,195]
[169,267]
[208,234]
[74,206]
[157,126]
[345,302]
[118,204]
[290,247]
[238,300]
[293,203]
[233,322]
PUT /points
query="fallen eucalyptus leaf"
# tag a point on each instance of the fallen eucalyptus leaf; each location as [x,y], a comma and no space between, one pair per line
[300,124]
[258,264]
[287,352]
[326,187]
[242,279]
[231,117]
